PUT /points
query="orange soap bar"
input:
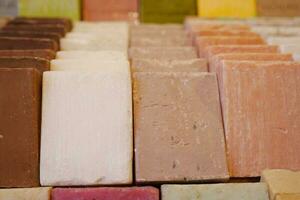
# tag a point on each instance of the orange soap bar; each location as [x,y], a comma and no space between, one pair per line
[204,41]
[261,113]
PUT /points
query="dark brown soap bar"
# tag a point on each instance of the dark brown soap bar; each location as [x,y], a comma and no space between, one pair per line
[25,62]
[19,130]
[41,20]
[39,53]
[29,34]
[15,43]
[48,28]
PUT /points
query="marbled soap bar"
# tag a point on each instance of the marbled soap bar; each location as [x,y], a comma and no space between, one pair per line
[86,128]
[258,114]
[153,65]
[25,62]
[101,55]
[281,182]
[42,193]
[39,53]
[227,8]
[163,53]
[177,129]
[165,11]
[124,193]
[20,127]
[13,43]
[232,191]
[50,8]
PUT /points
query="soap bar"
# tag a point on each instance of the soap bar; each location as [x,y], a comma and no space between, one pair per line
[163,53]
[171,125]
[105,55]
[42,193]
[276,8]
[209,32]
[39,53]
[163,11]
[112,193]
[205,41]
[9,7]
[227,8]
[232,191]
[91,110]
[281,181]
[288,197]
[110,10]
[50,8]
[160,41]
[20,127]
[290,48]
[258,114]
[152,65]
[277,40]
[89,64]
[296,57]
[25,62]
[13,43]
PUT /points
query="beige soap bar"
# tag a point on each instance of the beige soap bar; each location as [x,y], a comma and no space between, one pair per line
[160,41]
[280,40]
[86,128]
[163,53]
[42,193]
[153,65]
[101,55]
[290,48]
[288,197]
[281,181]
[229,191]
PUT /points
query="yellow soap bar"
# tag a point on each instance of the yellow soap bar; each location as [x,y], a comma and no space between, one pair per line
[227,8]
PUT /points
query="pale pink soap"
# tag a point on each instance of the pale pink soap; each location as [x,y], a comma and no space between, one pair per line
[133,193]
[261,113]
[163,53]
[154,65]
[203,42]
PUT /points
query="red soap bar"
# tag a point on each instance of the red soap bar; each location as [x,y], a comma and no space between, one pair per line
[133,193]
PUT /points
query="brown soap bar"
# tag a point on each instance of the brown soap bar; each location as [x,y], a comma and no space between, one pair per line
[179,134]
[39,53]
[20,127]
[44,28]
[30,34]
[25,62]
[40,20]
[153,65]
[15,43]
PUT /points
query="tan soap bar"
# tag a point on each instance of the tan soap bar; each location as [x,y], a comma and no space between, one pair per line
[260,108]
[204,41]
[42,193]
[281,182]
[288,197]
[177,129]
[154,65]
[163,53]
[229,191]
[159,41]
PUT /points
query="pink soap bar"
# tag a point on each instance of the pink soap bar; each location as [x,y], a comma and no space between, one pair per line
[106,193]
[205,41]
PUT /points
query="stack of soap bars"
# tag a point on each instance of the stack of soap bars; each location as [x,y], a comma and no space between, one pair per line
[112,111]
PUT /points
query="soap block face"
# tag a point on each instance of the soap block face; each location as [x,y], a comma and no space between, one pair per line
[227,8]
[281,40]
[281,182]
[260,114]
[232,191]
[42,193]
[288,197]
[160,41]
[12,43]
[9,8]
[166,11]
[94,10]
[277,8]
[163,53]
[176,129]
[151,65]
[290,48]
[25,62]
[20,127]
[108,55]
[50,8]
[129,193]
[86,128]
[39,53]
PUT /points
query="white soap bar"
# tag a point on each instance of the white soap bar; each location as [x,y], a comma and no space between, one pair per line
[90,64]
[81,26]
[283,40]
[296,57]
[265,30]
[86,128]
[291,48]
[42,193]
[100,55]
